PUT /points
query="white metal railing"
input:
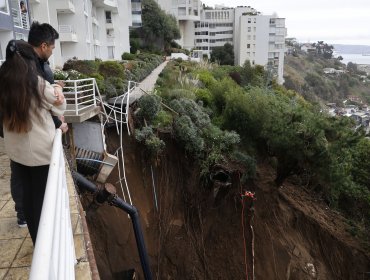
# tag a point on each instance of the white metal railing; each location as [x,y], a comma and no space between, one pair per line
[80,95]
[66,29]
[120,115]
[54,255]
[20,19]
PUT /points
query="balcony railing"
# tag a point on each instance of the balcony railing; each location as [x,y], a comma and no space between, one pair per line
[67,33]
[80,95]
[20,19]
[65,6]
[54,255]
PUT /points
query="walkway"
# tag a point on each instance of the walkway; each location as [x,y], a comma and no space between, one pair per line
[15,243]
[147,85]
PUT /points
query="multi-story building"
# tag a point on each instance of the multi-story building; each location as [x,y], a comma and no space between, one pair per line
[14,23]
[187,12]
[255,37]
[261,40]
[88,29]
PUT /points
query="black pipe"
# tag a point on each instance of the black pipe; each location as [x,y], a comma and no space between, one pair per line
[103,195]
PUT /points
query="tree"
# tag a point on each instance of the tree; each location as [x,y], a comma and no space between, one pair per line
[224,55]
[157,25]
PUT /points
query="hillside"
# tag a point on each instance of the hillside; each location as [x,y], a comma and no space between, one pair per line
[195,234]
[304,73]
[209,140]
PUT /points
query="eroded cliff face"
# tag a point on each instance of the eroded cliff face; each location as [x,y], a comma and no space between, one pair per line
[196,232]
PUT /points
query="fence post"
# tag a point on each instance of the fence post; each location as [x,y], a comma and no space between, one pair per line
[76,100]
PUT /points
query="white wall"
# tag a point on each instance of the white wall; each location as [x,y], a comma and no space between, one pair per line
[82,24]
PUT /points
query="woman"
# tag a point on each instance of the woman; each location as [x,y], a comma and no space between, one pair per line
[26,104]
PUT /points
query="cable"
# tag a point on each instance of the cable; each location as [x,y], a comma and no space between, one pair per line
[244,239]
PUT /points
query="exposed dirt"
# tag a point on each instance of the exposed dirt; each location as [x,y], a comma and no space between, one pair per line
[196,235]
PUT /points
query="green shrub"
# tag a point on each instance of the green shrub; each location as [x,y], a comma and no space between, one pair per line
[110,90]
[128,56]
[181,93]
[118,83]
[162,119]
[188,134]
[204,95]
[75,75]
[86,67]
[149,105]
[193,110]
[151,141]
[111,69]
[60,75]
[248,162]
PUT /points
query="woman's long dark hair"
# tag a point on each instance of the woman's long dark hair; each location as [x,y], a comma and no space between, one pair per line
[19,87]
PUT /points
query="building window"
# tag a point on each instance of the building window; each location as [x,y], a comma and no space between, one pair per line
[248,37]
[249,20]
[4,6]
[110,52]
[108,17]
[254,20]
[249,29]
[248,46]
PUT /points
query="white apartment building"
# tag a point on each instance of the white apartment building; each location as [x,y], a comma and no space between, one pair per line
[255,37]
[261,40]
[88,29]
[186,12]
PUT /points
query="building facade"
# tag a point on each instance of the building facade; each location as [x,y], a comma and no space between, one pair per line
[255,37]
[261,40]
[88,29]
[14,23]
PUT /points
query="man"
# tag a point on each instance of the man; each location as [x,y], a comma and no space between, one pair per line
[42,37]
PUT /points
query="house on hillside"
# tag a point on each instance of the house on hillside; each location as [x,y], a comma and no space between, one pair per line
[308,48]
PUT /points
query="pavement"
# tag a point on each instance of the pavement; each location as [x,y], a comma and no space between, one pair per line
[16,244]
[146,85]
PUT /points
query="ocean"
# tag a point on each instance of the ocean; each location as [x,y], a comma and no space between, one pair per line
[355,58]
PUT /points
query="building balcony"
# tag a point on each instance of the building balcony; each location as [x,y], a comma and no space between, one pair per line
[97,42]
[110,41]
[109,24]
[67,34]
[20,19]
[188,17]
[111,3]
[65,6]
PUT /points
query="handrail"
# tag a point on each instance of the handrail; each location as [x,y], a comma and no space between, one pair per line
[54,255]
[80,94]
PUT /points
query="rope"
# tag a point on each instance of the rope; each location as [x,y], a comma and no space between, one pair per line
[244,239]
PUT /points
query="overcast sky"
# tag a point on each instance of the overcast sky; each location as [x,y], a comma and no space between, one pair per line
[333,21]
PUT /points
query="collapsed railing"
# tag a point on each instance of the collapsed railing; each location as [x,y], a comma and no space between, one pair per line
[80,95]
[54,255]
